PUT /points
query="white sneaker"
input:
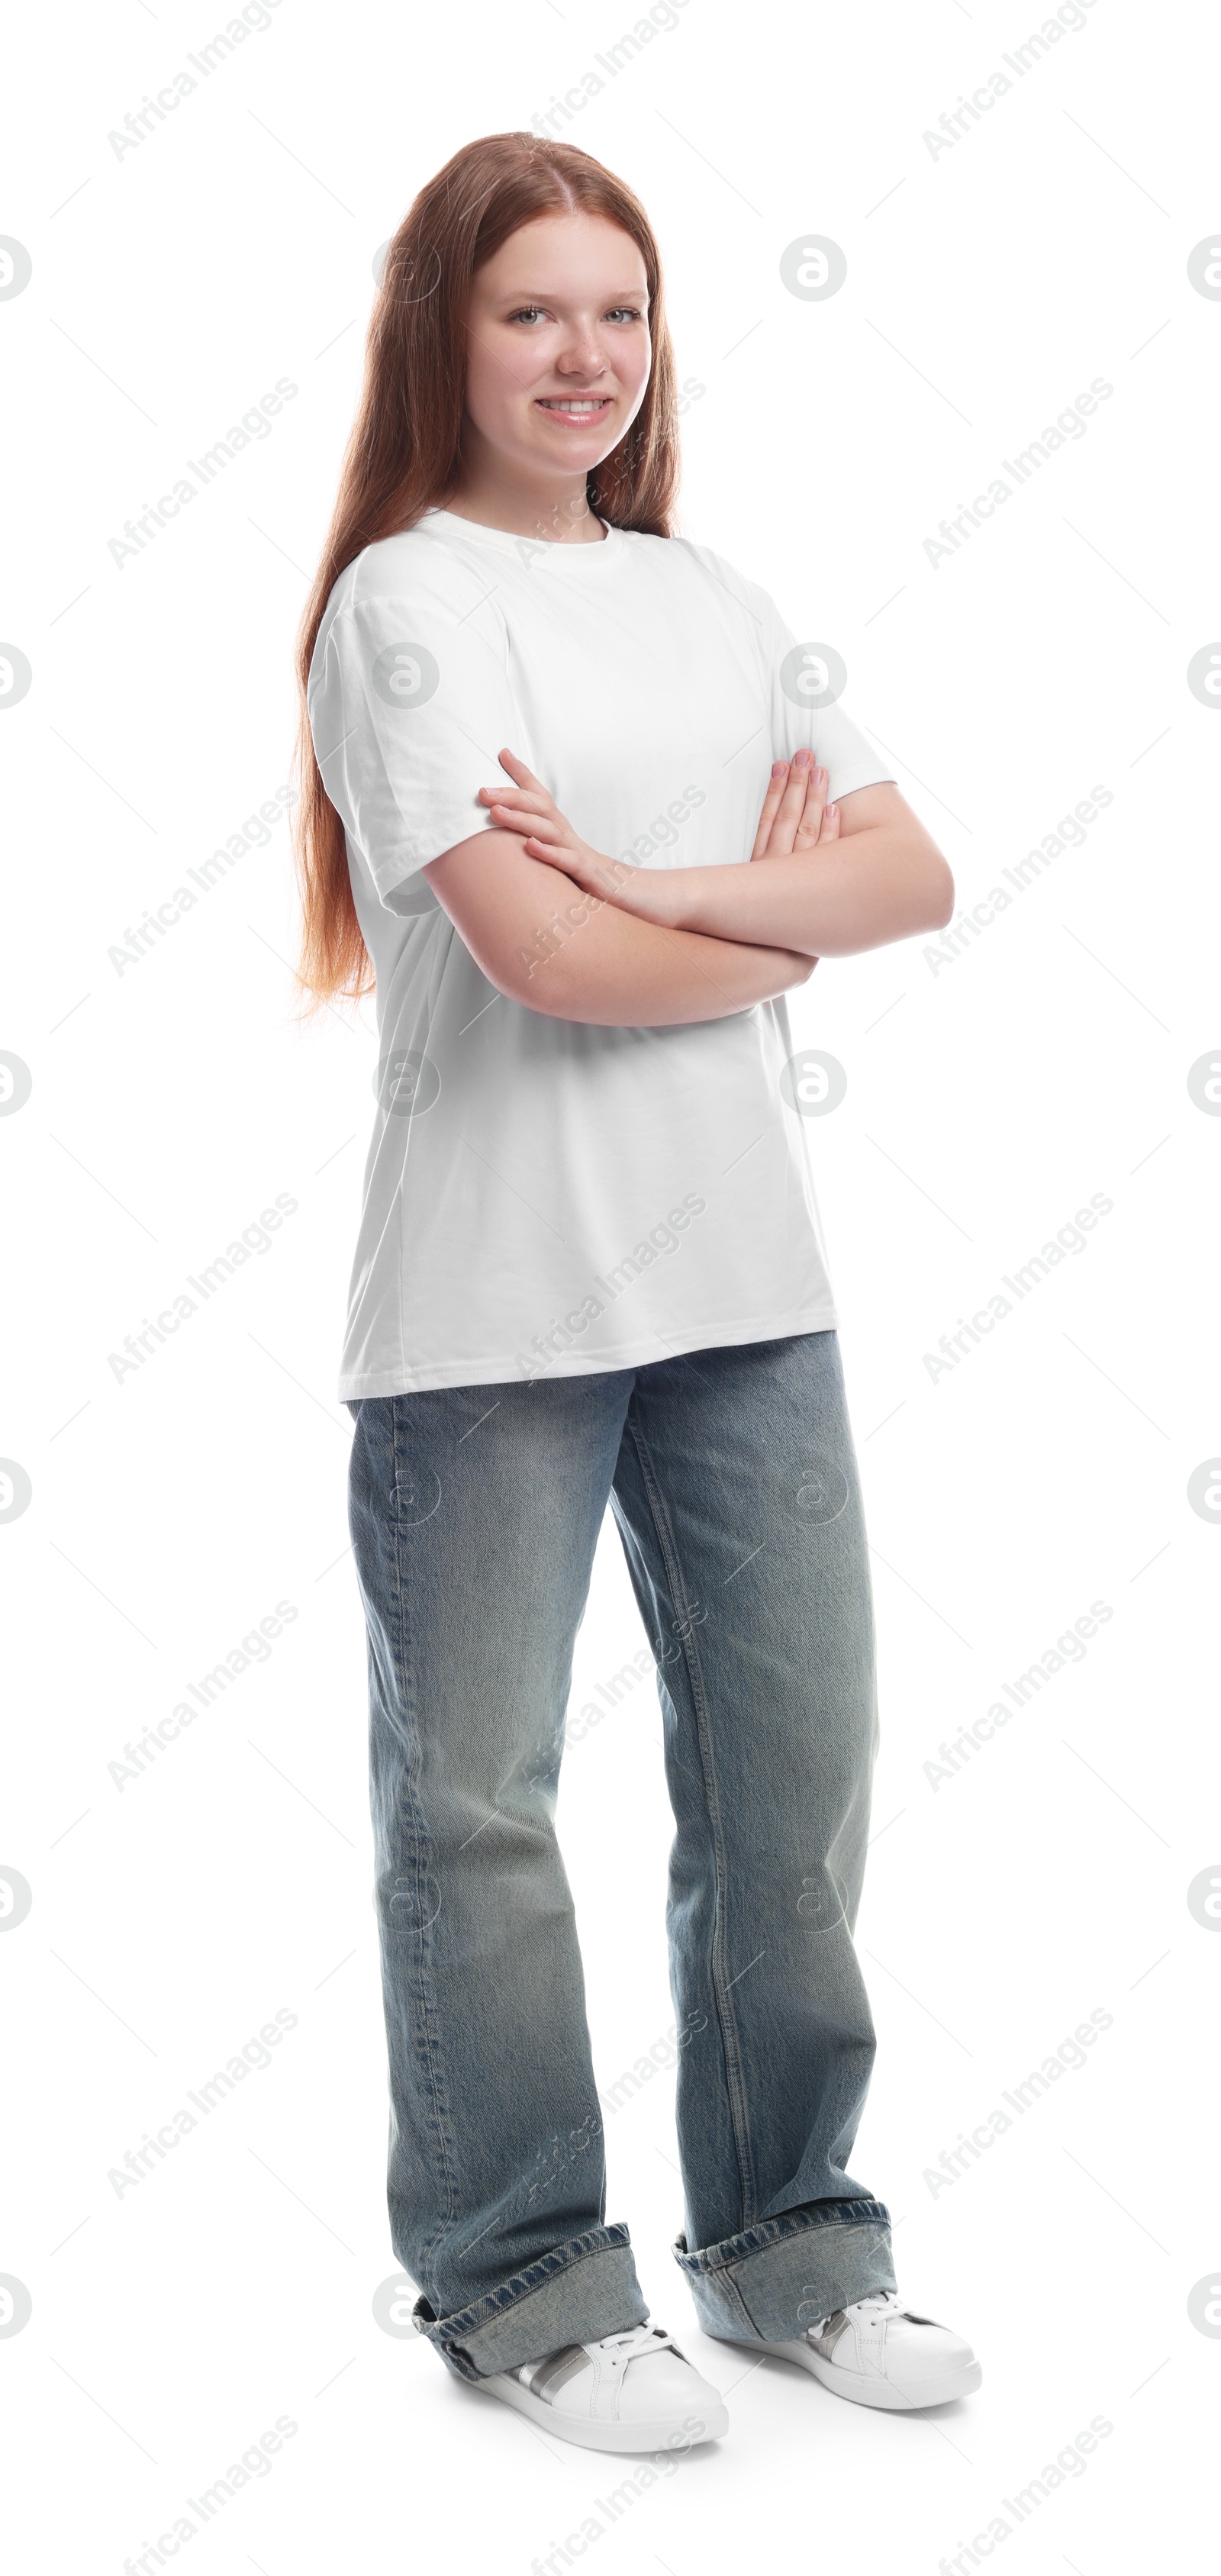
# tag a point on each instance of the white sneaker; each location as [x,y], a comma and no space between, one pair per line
[628,2392]
[880,2354]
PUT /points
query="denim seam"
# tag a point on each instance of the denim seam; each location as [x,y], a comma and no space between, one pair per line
[425,1983]
[735,2250]
[718,1979]
[729,2290]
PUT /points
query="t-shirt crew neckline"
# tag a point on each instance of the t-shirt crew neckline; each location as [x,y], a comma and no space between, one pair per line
[504,540]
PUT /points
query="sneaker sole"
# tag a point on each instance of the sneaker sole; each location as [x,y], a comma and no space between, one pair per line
[671,2432]
[863,2391]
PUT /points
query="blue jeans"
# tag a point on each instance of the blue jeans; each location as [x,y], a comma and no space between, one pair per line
[475,1513]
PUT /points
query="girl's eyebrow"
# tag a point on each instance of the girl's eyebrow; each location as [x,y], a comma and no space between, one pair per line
[546,295]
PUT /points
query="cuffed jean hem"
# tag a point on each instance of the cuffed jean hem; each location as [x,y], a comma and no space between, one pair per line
[786,2273]
[575,2294]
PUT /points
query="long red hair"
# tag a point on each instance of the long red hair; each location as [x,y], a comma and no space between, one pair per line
[404,452]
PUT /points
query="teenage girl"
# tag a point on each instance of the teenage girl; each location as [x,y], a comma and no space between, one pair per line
[583,810]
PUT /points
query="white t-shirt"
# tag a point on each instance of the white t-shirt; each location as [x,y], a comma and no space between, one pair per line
[543,1197]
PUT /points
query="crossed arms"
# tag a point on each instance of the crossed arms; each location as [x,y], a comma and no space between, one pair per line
[575,935]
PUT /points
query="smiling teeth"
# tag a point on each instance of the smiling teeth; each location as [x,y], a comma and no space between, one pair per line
[549,405]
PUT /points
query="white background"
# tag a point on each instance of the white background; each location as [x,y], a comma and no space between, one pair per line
[170,1918]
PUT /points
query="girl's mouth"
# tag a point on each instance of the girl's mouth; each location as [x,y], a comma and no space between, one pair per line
[575,409]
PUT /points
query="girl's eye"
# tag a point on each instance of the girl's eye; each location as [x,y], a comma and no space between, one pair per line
[617,313]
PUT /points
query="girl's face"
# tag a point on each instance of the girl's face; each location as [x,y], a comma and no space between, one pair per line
[558,349]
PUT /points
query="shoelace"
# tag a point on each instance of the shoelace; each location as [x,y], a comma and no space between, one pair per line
[632,2340]
[872,2299]
[629,2343]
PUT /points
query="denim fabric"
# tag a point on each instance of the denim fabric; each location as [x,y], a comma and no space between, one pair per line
[475,1513]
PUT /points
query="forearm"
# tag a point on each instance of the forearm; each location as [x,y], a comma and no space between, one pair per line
[569,954]
[857,893]
[596,963]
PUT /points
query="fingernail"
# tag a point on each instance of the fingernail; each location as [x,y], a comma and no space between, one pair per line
[800,759]
[778,768]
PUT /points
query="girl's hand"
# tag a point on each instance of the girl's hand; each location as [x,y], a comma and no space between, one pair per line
[546,834]
[653,894]
[796,816]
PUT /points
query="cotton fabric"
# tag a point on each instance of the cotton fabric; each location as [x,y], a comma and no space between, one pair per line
[544,1198]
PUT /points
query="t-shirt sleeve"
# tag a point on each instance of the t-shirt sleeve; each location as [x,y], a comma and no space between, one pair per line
[805,681]
[409,705]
